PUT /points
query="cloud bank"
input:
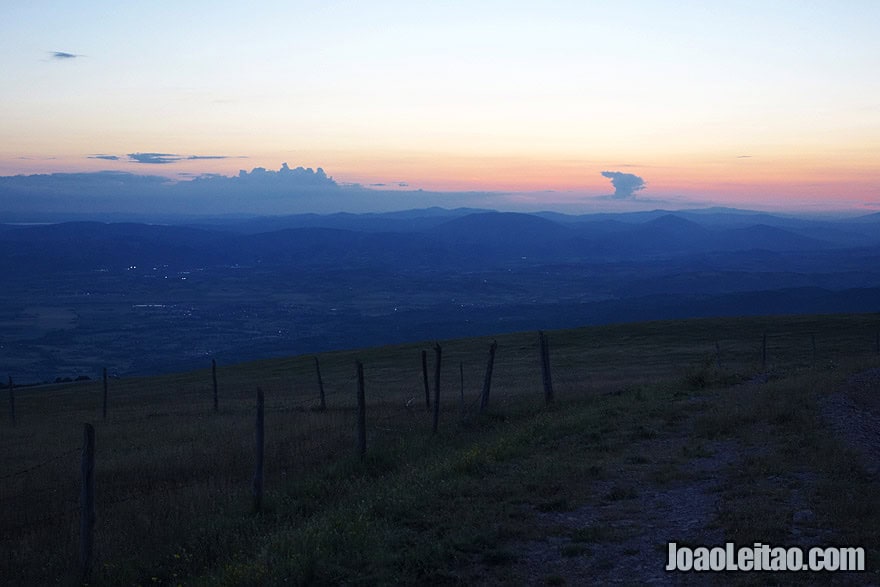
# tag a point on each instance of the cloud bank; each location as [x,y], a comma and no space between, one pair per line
[119,195]
[259,191]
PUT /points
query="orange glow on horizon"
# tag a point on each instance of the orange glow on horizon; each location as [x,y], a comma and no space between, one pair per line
[739,179]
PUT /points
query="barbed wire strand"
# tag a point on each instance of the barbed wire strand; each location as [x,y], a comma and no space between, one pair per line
[42,464]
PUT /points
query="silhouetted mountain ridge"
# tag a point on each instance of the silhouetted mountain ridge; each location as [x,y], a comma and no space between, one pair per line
[457,237]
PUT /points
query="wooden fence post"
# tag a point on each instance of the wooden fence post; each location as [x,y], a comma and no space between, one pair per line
[487,381]
[320,385]
[764,353]
[11,401]
[214,378]
[545,368]
[361,413]
[87,502]
[257,488]
[461,388]
[438,353]
[425,379]
[104,403]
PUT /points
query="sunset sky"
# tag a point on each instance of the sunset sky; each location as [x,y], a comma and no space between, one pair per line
[761,104]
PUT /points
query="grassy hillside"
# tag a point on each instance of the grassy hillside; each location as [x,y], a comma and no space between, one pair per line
[653,437]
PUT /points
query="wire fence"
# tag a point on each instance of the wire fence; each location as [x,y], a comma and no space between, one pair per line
[158,444]
[29,504]
[40,465]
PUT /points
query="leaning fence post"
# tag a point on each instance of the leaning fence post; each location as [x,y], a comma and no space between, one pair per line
[104,403]
[320,385]
[11,401]
[545,368]
[438,352]
[258,461]
[425,379]
[87,502]
[361,413]
[214,378]
[487,381]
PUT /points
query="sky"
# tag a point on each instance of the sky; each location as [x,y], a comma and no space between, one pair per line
[753,104]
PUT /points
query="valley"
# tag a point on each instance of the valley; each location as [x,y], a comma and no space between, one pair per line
[143,298]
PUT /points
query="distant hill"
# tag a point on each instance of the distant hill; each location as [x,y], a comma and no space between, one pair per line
[507,236]
[672,233]
[500,228]
[404,221]
[336,247]
[873,217]
[661,236]
[761,236]
[91,245]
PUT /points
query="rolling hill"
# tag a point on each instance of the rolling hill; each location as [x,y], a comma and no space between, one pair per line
[700,431]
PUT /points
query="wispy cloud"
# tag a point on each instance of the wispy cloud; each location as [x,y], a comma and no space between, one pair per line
[62,55]
[154,158]
[200,157]
[105,157]
[395,184]
[166,158]
[198,175]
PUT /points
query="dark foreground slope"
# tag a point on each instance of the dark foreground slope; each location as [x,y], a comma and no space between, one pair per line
[681,431]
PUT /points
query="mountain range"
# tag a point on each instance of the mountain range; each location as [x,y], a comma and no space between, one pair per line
[151,297]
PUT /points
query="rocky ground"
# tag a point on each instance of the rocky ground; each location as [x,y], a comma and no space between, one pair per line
[621,535]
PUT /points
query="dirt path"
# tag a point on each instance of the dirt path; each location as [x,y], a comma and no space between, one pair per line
[853,413]
[621,536]
[675,492]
